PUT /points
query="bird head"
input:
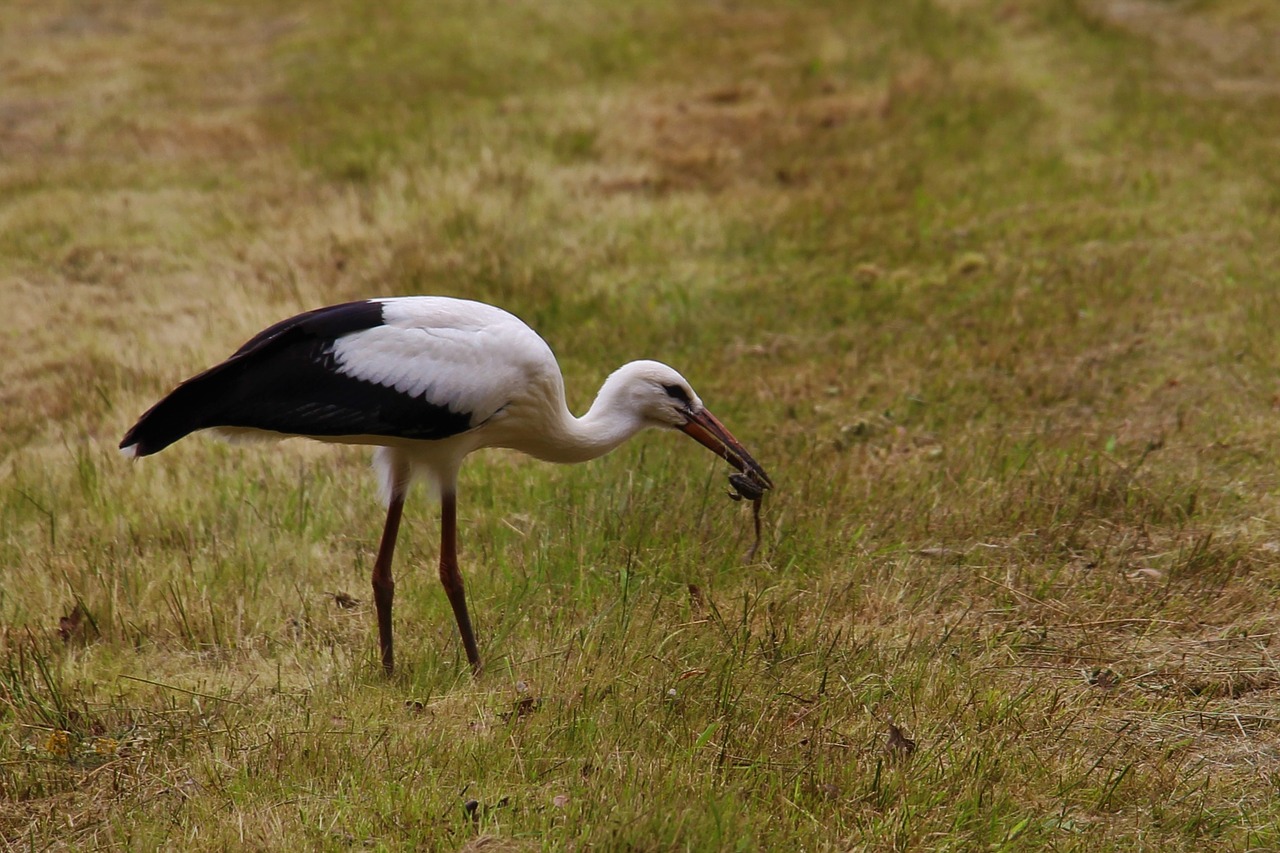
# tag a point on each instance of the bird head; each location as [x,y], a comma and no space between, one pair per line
[664,398]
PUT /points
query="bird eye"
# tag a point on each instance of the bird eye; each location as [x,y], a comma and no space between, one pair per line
[678,393]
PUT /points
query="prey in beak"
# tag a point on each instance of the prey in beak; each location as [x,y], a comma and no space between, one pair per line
[750,482]
[706,429]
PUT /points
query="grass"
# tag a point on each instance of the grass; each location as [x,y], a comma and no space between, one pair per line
[989,288]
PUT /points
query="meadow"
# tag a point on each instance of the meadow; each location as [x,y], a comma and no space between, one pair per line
[989,288]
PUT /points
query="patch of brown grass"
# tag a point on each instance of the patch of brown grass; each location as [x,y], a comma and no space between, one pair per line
[1226,50]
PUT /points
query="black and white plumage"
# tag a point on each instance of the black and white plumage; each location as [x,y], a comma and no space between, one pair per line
[427,380]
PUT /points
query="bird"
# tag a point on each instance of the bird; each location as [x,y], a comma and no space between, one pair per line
[425,380]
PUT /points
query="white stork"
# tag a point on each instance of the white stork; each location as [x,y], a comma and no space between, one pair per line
[427,380]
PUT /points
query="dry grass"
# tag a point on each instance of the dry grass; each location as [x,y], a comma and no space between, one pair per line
[990,288]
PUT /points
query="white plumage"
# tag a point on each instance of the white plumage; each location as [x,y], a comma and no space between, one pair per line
[428,380]
[456,353]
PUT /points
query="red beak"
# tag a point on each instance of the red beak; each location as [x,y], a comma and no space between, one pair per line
[707,430]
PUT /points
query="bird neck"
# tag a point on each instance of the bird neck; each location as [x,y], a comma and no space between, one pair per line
[608,423]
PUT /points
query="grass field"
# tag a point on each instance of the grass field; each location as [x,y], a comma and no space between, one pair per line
[990,288]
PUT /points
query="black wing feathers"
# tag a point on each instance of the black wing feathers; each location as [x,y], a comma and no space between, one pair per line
[286,379]
[328,323]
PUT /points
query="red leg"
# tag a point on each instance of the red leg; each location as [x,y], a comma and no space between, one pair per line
[452,578]
[384,588]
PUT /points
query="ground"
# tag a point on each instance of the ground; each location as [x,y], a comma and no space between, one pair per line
[988,287]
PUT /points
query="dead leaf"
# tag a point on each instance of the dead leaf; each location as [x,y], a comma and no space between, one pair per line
[1102,677]
[899,743]
[71,627]
[346,602]
[521,709]
[475,809]
[1145,574]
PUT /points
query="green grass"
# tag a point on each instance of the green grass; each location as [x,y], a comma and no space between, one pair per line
[989,288]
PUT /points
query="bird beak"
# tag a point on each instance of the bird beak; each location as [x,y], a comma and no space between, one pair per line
[707,430]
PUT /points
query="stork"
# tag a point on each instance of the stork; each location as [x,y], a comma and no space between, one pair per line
[426,380]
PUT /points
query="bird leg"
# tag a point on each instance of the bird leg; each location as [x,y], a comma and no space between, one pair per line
[452,578]
[384,588]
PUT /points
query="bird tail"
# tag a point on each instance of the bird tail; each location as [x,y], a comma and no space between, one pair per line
[189,407]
